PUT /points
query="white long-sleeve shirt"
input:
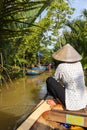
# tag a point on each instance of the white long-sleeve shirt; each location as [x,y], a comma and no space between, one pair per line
[72,76]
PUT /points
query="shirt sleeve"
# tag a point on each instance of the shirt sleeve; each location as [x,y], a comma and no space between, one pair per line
[58,74]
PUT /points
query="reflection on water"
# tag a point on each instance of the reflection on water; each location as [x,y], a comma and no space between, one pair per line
[18,99]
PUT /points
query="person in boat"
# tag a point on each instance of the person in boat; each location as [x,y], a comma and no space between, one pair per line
[68,83]
[49,66]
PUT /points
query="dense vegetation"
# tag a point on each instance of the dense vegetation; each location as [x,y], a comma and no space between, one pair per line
[29,26]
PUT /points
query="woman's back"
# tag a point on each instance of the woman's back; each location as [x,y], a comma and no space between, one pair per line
[71,73]
[72,77]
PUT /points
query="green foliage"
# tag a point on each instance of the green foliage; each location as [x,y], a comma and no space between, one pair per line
[16,18]
[84,62]
[58,13]
[22,35]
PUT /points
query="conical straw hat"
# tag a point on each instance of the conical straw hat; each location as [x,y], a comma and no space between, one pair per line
[67,54]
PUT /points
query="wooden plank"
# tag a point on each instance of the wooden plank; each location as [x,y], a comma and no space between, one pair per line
[28,123]
[85,122]
[55,116]
[66,117]
[79,113]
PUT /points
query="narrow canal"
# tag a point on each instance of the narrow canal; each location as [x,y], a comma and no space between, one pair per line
[17,99]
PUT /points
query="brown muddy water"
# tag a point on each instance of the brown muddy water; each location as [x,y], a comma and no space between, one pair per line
[17,99]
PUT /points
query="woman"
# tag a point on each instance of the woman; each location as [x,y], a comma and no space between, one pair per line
[68,83]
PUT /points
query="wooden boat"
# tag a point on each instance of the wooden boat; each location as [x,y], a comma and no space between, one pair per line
[39,68]
[35,70]
[32,72]
[46,118]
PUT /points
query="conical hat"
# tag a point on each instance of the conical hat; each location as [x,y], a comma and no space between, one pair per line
[67,54]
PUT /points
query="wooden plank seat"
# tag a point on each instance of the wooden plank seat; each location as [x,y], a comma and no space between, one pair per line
[70,117]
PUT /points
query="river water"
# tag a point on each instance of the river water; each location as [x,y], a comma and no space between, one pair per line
[17,99]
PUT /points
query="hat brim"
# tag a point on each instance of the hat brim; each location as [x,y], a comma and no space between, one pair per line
[67,54]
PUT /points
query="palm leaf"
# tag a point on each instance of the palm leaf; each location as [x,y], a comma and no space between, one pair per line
[18,16]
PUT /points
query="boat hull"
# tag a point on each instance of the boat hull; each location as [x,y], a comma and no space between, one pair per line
[32,73]
[36,70]
[44,117]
